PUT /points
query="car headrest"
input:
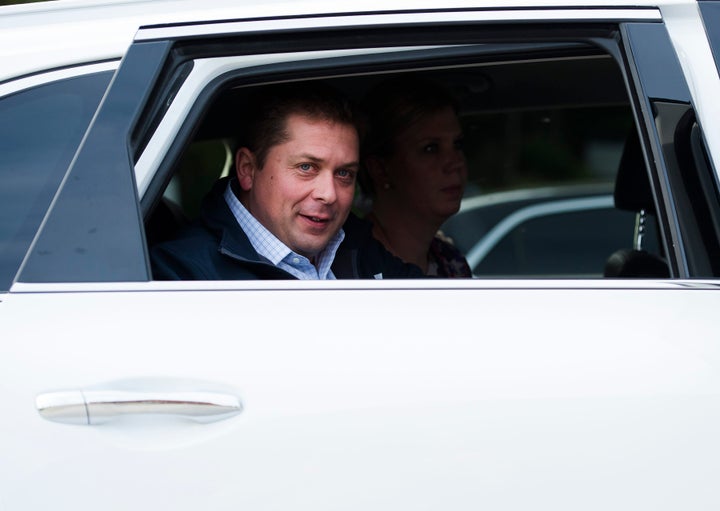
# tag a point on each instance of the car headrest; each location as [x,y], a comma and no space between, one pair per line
[637,264]
[632,185]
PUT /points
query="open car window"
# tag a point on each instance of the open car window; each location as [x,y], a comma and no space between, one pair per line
[545,127]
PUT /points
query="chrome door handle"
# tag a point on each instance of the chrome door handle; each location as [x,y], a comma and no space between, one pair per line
[99,406]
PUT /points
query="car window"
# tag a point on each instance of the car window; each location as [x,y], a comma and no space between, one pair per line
[40,130]
[541,128]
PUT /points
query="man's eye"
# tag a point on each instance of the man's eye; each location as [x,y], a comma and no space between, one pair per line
[305,167]
[345,173]
[460,144]
[430,148]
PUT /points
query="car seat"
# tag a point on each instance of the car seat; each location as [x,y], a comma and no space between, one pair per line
[633,193]
[203,163]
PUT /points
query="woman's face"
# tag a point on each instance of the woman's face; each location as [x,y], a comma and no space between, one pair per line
[427,171]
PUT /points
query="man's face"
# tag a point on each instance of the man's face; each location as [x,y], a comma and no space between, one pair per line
[304,192]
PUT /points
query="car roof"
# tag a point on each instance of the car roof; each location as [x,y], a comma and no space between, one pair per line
[49,35]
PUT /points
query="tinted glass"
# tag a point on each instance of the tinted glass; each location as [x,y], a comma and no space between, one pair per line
[711,17]
[575,244]
[40,130]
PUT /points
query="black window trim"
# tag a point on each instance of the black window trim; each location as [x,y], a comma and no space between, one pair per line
[94,231]
[656,77]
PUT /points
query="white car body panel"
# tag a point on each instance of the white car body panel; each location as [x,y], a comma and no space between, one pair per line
[493,394]
[413,413]
[111,26]
[688,36]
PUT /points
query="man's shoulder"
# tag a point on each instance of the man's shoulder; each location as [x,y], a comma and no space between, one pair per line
[195,253]
[191,255]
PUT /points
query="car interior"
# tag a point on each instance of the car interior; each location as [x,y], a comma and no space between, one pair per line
[543,123]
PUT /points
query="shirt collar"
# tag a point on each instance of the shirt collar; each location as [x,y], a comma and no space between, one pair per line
[269,246]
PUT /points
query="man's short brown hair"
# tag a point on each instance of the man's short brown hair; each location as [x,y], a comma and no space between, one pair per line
[264,121]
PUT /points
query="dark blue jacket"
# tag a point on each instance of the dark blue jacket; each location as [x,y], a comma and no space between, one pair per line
[216,248]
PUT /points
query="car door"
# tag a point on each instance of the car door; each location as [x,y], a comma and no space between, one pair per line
[125,392]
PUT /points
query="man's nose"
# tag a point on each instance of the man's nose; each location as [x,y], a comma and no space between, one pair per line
[324,189]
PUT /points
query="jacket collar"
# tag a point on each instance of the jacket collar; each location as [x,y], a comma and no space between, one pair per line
[219,219]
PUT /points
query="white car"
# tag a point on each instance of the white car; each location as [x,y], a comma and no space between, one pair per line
[122,392]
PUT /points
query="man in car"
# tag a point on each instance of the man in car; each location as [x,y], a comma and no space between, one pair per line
[284,213]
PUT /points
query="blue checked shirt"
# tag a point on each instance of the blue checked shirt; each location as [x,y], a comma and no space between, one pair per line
[267,245]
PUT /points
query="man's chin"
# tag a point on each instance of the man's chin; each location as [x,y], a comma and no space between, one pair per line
[311,248]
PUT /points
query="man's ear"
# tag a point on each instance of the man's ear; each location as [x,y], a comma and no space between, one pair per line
[245,168]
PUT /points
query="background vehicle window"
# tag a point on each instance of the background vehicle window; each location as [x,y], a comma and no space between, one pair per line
[562,244]
[40,130]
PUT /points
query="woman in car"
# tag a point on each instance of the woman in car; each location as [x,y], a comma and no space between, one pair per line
[415,172]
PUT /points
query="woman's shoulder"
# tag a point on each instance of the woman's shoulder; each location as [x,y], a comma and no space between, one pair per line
[450,261]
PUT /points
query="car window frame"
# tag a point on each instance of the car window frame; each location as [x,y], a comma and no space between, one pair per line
[165,50]
[652,58]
